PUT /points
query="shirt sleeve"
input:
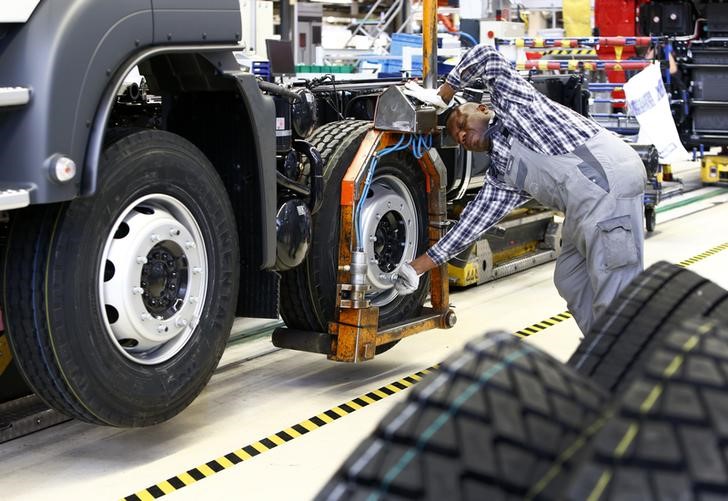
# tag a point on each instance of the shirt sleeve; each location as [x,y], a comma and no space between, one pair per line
[489,206]
[502,79]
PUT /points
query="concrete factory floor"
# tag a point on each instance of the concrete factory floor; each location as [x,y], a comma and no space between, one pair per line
[259,390]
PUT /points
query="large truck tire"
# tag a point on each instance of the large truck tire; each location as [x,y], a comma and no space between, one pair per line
[657,301]
[668,434]
[489,425]
[308,292]
[119,305]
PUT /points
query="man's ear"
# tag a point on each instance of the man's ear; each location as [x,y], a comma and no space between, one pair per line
[482,107]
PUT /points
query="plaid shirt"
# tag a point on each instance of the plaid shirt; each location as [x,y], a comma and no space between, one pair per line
[537,122]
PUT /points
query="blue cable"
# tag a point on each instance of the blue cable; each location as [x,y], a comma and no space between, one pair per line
[466,36]
[419,145]
[367,185]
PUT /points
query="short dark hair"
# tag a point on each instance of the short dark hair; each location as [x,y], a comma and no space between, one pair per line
[451,115]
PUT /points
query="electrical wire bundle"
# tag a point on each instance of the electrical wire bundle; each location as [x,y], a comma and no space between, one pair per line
[419,143]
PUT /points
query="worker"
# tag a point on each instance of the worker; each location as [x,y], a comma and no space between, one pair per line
[565,161]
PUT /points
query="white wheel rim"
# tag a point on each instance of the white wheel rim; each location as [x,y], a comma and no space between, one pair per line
[389,213]
[152,279]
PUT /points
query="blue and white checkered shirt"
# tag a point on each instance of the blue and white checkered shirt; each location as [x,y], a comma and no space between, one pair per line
[537,122]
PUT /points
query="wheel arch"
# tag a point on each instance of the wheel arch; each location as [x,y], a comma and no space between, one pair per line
[220,110]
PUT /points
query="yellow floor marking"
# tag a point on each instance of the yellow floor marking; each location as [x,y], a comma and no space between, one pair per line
[206,470]
[276,440]
[186,478]
[259,447]
[293,433]
[166,487]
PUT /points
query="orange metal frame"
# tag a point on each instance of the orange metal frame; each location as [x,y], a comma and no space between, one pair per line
[356,331]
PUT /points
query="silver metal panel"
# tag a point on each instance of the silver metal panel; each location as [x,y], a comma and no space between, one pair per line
[395,112]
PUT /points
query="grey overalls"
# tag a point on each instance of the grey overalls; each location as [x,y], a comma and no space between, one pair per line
[599,187]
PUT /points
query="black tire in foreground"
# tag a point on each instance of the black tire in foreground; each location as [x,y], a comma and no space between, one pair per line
[489,426]
[308,292]
[119,306]
[657,301]
[668,434]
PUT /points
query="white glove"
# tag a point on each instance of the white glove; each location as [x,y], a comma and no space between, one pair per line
[407,280]
[427,96]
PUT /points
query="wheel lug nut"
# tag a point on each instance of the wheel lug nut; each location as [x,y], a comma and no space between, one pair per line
[195,271]
[181,322]
[155,238]
[174,232]
[189,245]
[146,316]
[160,328]
[193,300]
[142,260]
[137,290]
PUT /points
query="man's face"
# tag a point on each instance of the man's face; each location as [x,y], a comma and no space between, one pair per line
[468,124]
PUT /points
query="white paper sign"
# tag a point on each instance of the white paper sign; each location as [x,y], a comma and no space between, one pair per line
[649,102]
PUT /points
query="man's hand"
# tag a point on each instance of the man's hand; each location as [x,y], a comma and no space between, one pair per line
[407,280]
[427,96]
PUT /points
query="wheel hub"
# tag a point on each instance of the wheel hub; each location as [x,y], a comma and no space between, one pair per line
[390,226]
[391,238]
[164,279]
[153,281]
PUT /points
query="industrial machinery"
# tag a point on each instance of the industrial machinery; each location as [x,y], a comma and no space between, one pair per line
[141,215]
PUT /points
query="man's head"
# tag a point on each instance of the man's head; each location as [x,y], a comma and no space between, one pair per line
[468,123]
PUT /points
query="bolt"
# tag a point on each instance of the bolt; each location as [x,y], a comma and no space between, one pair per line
[174,232]
[160,328]
[142,260]
[189,245]
[389,205]
[155,238]
[193,300]
[146,316]
[372,238]
[137,290]
[181,322]
[196,270]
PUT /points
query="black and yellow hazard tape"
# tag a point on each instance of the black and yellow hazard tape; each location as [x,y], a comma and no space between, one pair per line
[703,255]
[265,444]
[561,317]
[544,324]
[313,423]
[571,52]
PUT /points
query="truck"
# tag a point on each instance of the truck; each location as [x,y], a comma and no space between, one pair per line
[139,216]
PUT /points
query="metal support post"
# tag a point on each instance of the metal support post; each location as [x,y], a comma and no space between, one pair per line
[429,43]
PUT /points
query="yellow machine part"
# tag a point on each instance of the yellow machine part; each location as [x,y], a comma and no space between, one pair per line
[462,277]
[714,169]
[468,275]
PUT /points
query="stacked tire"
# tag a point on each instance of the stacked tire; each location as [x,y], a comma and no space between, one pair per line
[640,411]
